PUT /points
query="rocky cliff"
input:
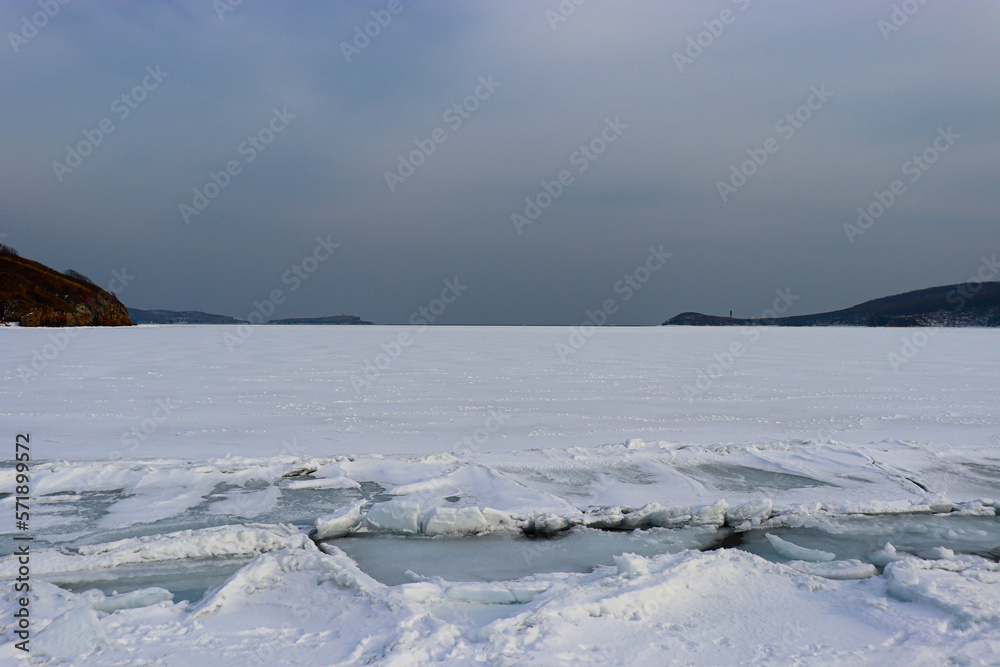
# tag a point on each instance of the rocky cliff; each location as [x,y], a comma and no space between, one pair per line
[32,294]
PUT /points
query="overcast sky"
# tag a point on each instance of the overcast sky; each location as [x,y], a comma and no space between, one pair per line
[675,118]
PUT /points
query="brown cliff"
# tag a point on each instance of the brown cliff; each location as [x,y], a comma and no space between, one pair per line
[32,294]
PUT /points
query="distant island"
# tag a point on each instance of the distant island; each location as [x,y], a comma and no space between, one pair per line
[179,317]
[961,305]
[139,316]
[333,319]
[33,295]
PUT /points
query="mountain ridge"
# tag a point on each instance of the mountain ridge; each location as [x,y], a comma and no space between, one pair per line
[140,316]
[969,304]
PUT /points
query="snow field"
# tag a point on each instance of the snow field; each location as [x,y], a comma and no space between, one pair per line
[811,505]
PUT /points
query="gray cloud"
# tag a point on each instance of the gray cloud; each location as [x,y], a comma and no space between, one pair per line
[324,173]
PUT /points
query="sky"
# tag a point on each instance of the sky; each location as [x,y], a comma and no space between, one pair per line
[501,162]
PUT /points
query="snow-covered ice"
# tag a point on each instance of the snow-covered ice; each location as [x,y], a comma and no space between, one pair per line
[794,551]
[338,524]
[481,501]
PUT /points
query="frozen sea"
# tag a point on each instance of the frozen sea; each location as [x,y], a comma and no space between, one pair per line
[504,495]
